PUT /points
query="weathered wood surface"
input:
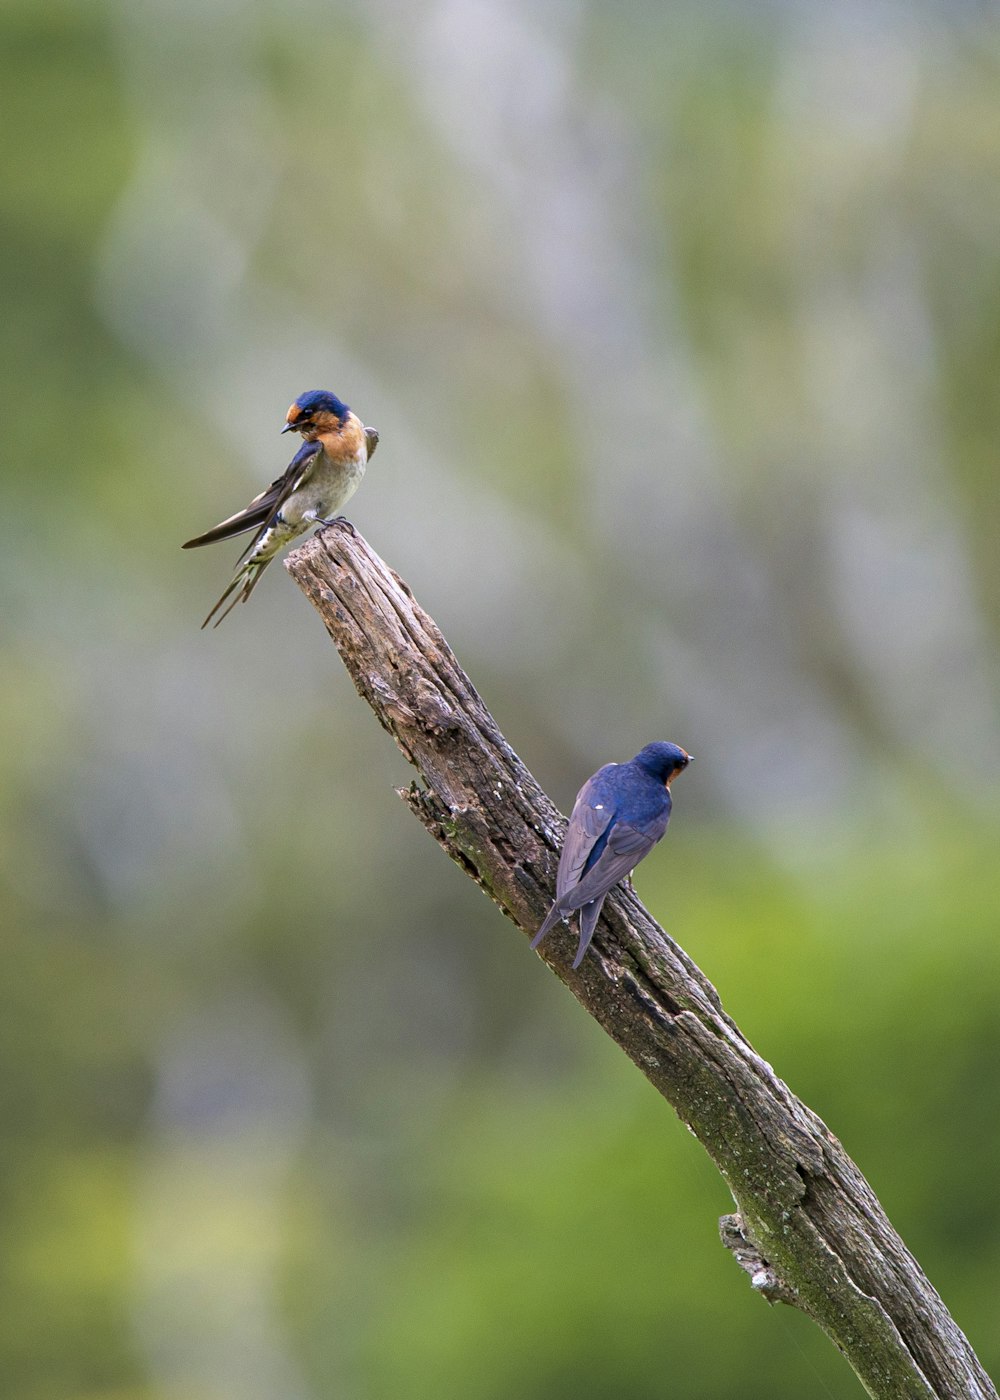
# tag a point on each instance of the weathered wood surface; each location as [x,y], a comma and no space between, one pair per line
[810,1230]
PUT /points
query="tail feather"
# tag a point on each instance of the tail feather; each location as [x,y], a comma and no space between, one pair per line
[589,915]
[245,581]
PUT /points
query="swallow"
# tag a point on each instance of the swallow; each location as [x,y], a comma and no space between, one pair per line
[320,479]
[618,817]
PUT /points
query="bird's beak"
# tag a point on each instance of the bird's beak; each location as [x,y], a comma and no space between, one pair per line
[289,427]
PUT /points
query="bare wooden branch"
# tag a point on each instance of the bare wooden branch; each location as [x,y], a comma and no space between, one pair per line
[810,1230]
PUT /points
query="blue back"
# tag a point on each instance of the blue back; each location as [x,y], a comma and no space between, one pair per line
[634,795]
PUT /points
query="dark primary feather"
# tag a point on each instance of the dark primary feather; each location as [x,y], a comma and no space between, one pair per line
[263,508]
[626,847]
[586,826]
[254,514]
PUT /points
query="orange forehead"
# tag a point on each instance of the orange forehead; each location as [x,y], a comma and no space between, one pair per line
[293,414]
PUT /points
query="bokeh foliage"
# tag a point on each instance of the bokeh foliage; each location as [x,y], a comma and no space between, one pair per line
[680,327]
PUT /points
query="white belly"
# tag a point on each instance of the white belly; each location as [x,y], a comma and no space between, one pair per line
[329,487]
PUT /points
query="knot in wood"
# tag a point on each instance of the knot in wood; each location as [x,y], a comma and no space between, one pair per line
[433,709]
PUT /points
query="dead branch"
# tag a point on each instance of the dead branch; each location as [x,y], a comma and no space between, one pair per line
[810,1230]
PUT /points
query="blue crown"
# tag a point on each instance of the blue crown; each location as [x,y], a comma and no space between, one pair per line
[321,401]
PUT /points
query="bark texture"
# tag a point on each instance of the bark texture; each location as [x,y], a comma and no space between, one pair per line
[809,1229]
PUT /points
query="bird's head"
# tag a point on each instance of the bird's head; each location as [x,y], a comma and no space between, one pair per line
[317,411]
[663,761]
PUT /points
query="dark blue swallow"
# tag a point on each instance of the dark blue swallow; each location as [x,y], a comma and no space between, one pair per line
[320,479]
[618,817]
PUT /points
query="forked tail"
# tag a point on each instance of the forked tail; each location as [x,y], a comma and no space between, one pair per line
[243,584]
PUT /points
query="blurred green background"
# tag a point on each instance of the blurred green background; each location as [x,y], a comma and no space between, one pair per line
[681,325]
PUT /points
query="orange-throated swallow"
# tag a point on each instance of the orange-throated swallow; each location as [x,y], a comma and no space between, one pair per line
[319,481]
[618,817]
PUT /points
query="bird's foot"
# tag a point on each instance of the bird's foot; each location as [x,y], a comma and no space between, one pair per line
[337,520]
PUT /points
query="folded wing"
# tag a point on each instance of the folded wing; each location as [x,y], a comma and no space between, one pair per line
[588,822]
[260,513]
[624,849]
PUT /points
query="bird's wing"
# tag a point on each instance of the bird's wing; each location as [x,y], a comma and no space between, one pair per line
[625,847]
[260,513]
[371,439]
[590,819]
